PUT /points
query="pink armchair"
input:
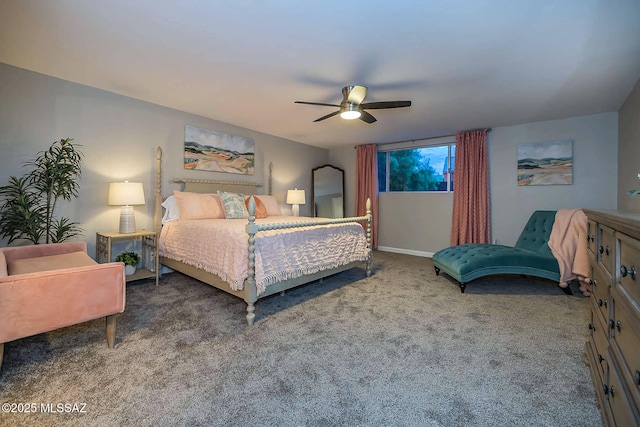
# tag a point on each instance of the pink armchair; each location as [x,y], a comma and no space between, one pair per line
[50,286]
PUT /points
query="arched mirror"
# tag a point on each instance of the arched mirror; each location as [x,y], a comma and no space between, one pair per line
[327,198]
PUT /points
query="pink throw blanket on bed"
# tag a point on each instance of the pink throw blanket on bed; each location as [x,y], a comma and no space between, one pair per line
[568,243]
[220,246]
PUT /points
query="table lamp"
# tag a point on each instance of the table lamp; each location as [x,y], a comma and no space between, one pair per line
[295,198]
[126,194]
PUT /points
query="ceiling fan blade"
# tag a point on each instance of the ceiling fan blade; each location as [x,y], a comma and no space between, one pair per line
[385,104]
[356,94]
[316,103]
[366,117]
[327,116]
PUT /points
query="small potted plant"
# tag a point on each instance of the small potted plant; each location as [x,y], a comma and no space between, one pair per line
[131,261]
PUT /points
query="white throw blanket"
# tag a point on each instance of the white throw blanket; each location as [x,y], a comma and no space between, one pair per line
[220,246]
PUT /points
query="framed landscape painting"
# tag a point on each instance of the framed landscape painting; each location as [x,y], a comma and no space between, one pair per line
[218,152]
[545,163]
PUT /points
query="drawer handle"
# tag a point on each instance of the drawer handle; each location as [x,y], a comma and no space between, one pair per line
[593,282]
[638,378]
[609,390]
[600,358]
[592,327]
[601,303]
[632,271]
[614,325]
[605,250]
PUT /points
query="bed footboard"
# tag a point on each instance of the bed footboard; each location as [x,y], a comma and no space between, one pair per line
[251,292]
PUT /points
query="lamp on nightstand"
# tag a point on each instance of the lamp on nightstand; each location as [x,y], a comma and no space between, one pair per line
[126,194]
[295,198]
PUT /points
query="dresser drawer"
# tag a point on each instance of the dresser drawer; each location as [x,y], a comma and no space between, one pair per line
[606,243]
[625,340]
[599,333]
[591,238]
[600,290]
[623,410]
[627,277]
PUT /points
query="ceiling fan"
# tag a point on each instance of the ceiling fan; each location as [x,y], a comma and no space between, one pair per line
[352,107]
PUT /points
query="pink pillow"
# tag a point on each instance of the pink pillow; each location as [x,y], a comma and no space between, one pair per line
[271,204]
[198,206]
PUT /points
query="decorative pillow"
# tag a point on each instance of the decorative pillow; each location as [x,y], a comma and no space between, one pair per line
[171,212]
[271,204]
[261,210]
[233,204]
[198,206]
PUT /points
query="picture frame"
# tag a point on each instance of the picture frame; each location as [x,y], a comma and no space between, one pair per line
[213,151]
[545,163]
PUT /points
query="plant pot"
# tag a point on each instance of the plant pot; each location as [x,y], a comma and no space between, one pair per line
[129,270]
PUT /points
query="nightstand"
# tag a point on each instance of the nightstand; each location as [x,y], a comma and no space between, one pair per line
[149,259]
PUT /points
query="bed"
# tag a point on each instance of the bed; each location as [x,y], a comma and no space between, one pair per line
[255,257]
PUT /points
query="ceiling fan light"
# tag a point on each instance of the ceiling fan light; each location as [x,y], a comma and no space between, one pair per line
[350,115]
[350,112]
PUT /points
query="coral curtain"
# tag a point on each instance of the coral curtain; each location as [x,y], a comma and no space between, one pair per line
[470,220]
[367,185]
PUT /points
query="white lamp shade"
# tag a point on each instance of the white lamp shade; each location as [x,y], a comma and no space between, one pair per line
[126,193]
[295,197]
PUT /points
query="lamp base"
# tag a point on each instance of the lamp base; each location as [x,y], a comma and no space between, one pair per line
[127,220]
[295,210]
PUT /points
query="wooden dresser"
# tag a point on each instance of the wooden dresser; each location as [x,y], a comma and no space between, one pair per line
[613,349]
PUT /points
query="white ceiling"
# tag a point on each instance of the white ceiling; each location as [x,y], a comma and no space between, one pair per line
[464,64]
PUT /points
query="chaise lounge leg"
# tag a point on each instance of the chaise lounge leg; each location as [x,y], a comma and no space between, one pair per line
[462,286]
[437,271]
[111,330]
[567,290]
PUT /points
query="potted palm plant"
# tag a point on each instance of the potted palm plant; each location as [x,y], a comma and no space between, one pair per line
[130,260]
[28,203]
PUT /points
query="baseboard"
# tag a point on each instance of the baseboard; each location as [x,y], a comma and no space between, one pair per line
[405,251]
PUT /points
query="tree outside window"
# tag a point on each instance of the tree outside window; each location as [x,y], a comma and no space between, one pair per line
[417,169]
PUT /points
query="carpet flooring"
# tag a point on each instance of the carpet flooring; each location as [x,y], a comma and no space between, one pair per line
[403,347]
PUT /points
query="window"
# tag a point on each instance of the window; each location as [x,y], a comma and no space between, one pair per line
[428,168]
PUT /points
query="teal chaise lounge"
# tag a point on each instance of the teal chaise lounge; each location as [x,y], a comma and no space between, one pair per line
[531,255]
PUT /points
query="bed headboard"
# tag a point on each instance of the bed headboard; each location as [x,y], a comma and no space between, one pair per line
[212,186]
[199,186]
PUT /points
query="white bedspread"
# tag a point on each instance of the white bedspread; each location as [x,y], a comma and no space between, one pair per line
[220,246]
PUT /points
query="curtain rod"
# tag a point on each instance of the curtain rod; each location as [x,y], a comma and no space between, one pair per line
[431,137]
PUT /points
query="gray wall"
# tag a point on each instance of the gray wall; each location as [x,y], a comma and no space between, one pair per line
[595,160]
[629,151]
[420,223]
[119,137]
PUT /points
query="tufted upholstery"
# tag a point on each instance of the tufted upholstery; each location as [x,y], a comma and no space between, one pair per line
[530,256]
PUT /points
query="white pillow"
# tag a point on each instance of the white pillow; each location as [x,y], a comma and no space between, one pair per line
[171,211]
